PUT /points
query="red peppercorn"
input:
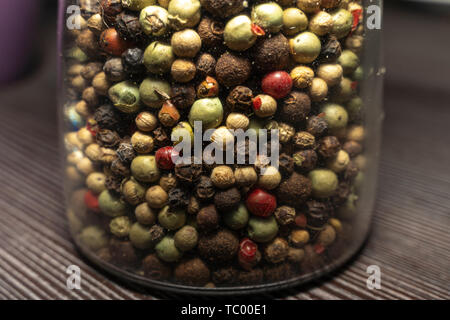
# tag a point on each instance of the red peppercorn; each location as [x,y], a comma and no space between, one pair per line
[319,249]
[300,220]
[91,201]
[164,158]
[248,255]
[261,203]
[111,43]
[277,84]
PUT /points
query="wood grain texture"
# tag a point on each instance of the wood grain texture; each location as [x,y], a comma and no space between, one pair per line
[410,236]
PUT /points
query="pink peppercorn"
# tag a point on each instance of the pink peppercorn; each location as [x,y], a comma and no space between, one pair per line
[277,84]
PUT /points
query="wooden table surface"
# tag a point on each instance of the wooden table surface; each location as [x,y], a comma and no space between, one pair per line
[410,236]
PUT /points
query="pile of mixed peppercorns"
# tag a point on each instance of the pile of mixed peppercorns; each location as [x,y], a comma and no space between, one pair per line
[142,70]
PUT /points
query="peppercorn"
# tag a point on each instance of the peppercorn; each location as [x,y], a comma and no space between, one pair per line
[193,272]
[144,214]
[211,33]
[114,70]
[132,191]
[205,189]
[186,238]
[262,229]
[321,23]
[90,70]
[142,142]
[133,63]
[309,6]
[91,201]
[271,54]
[248,255]
[110,9]
[186,43]
[329,146]
[182,131]
[85,136]
[302,76]
[356,133]
[95,24]
[295,255]
[154,268]
[144,169]
[348,210]
[270,179]
[299,238]
[209,111]
[268,16]
[93,238]
[125,96]
[245,176]
[171,219]
[207,219]
[101,84]
[184,13]
[330,73]
[168,115]
[295,190]
[79,84]
[91,97]
[305,47]
[158,57]
[128,26]
[295,108]
[355,44]
[146,121]
[223,8]
[286,164]
[324,183]
[183,70]
[107,138]
[264,106]
[123,253]
[112,183]
[277,84]
[342,23]
[353,148]
[154,92]
[111,205]
[285,215]
[232,70]
[208,88]
[252,277]
[318,90]
[327,236]
[167,251]
[193,206]
[223,177]
[240,33]
[87,42]
[112,43]
[317,126]
[335,115]
[339,162]
[276,251]
[237,121]
[261,203]
[154,20]
[96,182]
[331,50]
[188,173]
[219,247]
[240,99]
[304,140]
[349,62]
[156,197]
[125,152]
[120,226]
[183,96]
[168,182]
[178,198]
[341,195]
[305,160]
[294,21]
[227,200]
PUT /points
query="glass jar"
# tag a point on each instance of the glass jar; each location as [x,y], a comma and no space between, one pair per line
[220,147]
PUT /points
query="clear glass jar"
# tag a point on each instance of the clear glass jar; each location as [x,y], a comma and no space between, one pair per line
[287,94]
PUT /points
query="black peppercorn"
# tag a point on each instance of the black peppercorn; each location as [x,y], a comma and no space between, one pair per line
[133,63]
[120,169]
[318,214]
[107,138]
[331,50]
[211,33]
[206,65]
[107,117]
[128,26]
[329,146]
[188,173]
[317,126]
[305,160]
[285,215]
[178,198]
[271,53]
[110,9]
[286,164]
[223,8]
[183,95]
[113,69]
[113,182]
[125,152]
[240,99]
[353,148]
[208,219]
[232,70]
[156,233]
[205,189]
[296,106]
[304,140]
[227,200]
[160,137]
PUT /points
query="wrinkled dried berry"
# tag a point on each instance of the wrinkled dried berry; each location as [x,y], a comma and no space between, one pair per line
[133,63]
[108,139]
[240,99]
[205,189]
[329,146]
[178,198]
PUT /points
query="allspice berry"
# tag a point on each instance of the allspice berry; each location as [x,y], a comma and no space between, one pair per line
[218,248]
[227,200]
[211,33]
[156,197]
[295,108]
[271,53]
[183,70]
[240,99]
[232,70]
[206,65]
[208,219]
[192,272]
[223,177]
[295,190]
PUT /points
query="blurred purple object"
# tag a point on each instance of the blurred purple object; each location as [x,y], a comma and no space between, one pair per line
[18,21]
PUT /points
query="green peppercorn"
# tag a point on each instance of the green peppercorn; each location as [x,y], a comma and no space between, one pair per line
[96,182]
[125,96]
[342,23]
[132,191]
[120,226]
[354,107]
[158,57]
[144,214]
[144,169]
[324,182]
[167,251]
[305,47]
[141,237]
[343,92]
[93,237]
[335,115]
[268,16]
[209,111]
[237,219]
[184,13]
[349,62]
[340,162]
[358,75]
[294,21]
[262,229]
[137,5]
[238,33]
[111,205]
[186,238]
[180,131]
[154,92]
[154,21]
[171,219]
